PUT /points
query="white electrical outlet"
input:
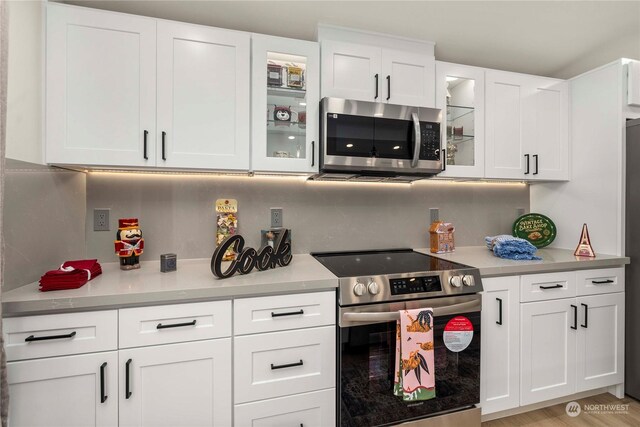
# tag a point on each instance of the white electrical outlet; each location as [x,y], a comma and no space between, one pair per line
[276,217]
[101,219]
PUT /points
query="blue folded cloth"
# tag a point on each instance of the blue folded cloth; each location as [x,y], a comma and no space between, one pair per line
[509,247]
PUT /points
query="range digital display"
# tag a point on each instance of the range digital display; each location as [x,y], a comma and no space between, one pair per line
[414,285]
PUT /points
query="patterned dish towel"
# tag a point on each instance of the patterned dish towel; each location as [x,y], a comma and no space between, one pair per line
[415,369]
[509,247]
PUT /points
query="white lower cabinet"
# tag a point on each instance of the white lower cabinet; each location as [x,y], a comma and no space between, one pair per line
[500,368]
[67,391]
[600,357]
[548,350]
[315,409]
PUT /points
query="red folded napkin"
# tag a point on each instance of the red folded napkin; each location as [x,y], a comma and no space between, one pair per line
[70,275]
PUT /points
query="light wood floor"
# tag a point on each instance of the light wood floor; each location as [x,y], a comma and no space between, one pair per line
[557,416]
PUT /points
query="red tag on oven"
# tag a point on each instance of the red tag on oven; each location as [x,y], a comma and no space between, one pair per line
[458,334]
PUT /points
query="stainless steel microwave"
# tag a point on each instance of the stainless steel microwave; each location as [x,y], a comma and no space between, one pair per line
[375,139]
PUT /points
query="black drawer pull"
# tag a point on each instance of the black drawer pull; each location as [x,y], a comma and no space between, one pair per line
[288,365]
[551,287]
[575,317]
[602,282]
[499,321]
[535,156]
[176,325]
[376,97]
[164,135]
[127,381]
[31,338]
[526,172]
[103,396]
[146,133]
[289,313]
[388,87]
[313,153]
[586,316]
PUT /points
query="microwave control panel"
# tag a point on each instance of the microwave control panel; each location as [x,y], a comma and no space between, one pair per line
[429,141]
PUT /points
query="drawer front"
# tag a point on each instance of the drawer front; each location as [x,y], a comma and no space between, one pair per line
[60,334]
[601,281]
[541,287]
[283,312]
[283,363]
[167,324]
[315,409]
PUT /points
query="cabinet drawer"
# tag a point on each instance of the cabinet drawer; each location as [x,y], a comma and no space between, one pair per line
[174,323]
[60,334]
[601,281]
[278,313]
[540,287]
[284,363]
[315,409]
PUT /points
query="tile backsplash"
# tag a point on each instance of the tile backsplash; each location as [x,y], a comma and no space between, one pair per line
[176,212]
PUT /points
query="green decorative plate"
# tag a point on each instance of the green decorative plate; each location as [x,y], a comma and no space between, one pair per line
[536,228]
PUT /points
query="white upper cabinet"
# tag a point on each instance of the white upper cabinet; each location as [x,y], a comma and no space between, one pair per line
[351,71]
[203,97]
[527,122]
[408,78]
[369,73]
[285,102]
[460,95]
[100,87]
[105,109]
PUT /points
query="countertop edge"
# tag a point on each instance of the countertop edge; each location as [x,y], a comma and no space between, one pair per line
[517,270]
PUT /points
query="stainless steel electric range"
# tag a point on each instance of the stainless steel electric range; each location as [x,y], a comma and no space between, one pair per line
[373,287]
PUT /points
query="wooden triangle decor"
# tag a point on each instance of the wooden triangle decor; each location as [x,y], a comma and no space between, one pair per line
[584,247]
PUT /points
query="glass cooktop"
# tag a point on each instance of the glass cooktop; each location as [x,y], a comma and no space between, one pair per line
[376,263]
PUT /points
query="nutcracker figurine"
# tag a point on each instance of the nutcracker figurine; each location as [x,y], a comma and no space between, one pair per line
[129,243]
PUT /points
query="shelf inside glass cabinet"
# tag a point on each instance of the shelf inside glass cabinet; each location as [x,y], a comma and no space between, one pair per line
[455,112]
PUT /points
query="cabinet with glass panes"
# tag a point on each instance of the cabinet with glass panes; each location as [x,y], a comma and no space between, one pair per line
[460,94]
[285,101]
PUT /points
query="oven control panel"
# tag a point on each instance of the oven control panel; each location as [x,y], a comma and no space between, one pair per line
[415,285]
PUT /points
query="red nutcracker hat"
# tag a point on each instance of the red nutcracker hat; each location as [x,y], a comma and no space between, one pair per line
[128,223]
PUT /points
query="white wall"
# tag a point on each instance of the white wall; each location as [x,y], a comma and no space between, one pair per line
[25,87]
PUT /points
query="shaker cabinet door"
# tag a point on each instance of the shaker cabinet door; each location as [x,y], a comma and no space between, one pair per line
[74,391]
[500,369]
[187,384]
[549,332]
[100,87]
[408,78]
[203,97]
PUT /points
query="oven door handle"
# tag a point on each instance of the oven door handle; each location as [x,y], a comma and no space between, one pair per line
[395,315]
[417,142]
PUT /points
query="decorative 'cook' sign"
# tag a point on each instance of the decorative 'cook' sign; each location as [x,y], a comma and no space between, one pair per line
[249,258]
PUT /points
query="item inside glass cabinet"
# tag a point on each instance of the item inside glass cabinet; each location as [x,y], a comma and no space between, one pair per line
[286,106]
[460,121]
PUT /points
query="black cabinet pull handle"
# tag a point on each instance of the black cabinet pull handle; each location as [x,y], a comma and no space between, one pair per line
[164,135]
[551,287]
[376,97]
[444,159]
[575,317]
[388,87]
[313,153]
[535,156]
[103,396]
[289,313]
[32,338]
[602,282]
[127,381]
[176,325]
[586,316]
[499,321]
[526,171]
[288,365]
[146,133]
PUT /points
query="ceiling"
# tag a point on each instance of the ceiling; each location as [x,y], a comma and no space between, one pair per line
[551,38]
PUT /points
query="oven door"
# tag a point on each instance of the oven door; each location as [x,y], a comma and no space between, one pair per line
[366,361]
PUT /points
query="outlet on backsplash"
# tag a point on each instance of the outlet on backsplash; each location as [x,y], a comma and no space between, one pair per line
[434,214]
[276,217]
[101,219]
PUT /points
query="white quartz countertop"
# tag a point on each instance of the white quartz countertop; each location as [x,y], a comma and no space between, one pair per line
[552,260]
[193,281]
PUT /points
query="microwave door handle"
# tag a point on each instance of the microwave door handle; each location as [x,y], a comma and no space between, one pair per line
[416,140]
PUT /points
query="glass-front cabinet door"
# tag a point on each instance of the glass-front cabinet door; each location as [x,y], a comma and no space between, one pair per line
[460,95]
[285,101]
